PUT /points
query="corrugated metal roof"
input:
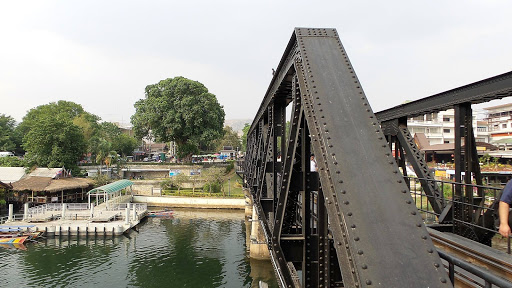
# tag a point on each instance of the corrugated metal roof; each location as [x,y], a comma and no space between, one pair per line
[112,187]
[11,174]
[46,172]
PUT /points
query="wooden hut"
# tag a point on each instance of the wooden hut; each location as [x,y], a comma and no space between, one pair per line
[48,186]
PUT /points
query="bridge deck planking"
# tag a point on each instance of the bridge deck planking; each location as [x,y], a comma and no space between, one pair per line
[389,242]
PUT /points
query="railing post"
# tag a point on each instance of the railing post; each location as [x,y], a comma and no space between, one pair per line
[451,272]
[11,212]
[127,216]
[92,210]
[63,211]
[25,211]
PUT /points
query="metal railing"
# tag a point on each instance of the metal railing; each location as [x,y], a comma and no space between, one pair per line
[15,217]
[448,189]
[139,207]
[481,205]
[489,279]
[74,211]
[57,207]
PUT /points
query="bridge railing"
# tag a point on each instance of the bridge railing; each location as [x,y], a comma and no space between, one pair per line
[489,279]
[486,211]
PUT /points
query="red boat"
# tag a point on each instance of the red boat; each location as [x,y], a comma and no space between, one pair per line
[161,213]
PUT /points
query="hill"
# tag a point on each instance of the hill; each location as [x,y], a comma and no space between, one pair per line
[237,124]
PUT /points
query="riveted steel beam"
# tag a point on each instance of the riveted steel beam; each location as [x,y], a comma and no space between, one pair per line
[358,228]
[493,88]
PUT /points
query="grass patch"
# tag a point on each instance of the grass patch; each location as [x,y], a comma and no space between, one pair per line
[233,186]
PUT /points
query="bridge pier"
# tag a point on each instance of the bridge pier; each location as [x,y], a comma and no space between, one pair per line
[248,203]
[256,242]
[259,247]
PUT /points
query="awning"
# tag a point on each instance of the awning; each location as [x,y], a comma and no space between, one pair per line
[502,141]
[112,187]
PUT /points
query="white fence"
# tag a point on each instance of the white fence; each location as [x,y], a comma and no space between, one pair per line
[77,211]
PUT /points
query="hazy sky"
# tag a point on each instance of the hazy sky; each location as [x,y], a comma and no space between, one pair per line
[102,54]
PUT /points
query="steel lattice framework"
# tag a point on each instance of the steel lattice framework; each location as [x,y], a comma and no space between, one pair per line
[469,222]
[352,223]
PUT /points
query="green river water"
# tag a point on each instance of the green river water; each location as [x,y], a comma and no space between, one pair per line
[195,248]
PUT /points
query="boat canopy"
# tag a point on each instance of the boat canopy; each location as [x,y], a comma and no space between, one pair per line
[111,188]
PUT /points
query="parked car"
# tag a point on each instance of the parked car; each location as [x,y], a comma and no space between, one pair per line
[6,154]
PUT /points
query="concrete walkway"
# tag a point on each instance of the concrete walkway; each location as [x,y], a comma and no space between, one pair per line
[191,202]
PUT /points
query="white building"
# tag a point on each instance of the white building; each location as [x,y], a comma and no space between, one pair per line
[438,127]
[499,123]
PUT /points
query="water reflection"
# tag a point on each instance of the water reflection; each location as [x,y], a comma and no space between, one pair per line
[196,248]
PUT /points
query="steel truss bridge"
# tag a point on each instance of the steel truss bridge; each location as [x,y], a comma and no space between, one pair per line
[355,222]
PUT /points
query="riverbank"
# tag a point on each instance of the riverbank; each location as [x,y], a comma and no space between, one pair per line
[191,202]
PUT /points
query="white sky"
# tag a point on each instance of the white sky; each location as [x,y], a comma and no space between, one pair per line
[102,54]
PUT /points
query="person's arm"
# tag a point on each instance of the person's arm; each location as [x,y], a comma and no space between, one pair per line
[503,212]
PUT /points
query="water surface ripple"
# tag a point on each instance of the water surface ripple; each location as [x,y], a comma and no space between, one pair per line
[196,248]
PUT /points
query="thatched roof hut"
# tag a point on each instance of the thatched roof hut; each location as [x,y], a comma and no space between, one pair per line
[47,189]
[48,184]
[4,186]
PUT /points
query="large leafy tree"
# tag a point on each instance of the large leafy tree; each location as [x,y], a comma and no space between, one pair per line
[180,110]
[65,108]
[55,134]
[54,142]
[7,134]
[124,144]
[108,132]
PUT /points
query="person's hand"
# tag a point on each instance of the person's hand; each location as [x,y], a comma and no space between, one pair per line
[504,230]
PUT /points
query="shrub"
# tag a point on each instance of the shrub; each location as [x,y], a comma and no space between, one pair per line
[215,187]
[101,179]
[167,184]
[230,166]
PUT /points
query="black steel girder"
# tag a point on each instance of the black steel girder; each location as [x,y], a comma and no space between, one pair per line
[361,205]
[493,88]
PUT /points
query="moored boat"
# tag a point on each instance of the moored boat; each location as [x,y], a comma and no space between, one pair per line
[13,239]
[161,213]
[18,238]
[13,246]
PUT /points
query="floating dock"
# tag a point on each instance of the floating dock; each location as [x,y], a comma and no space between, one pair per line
[78,219]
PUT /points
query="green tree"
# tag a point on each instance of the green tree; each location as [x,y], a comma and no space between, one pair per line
[180,110]
[244,136]
[124,144]
[63,119]
[213,177]
[51,137]
[179,180]
[109,131]
[230,138]
[11,162]
[54,142]
[64,108]
[7,138]
[88,123]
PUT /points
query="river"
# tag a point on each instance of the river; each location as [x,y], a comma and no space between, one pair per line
[195,248]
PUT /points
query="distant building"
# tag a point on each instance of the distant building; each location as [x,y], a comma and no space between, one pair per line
[125,128]
[227,152]
[499,123]
[439,127]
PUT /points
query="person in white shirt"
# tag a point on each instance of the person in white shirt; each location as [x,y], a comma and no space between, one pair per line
[313,164]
